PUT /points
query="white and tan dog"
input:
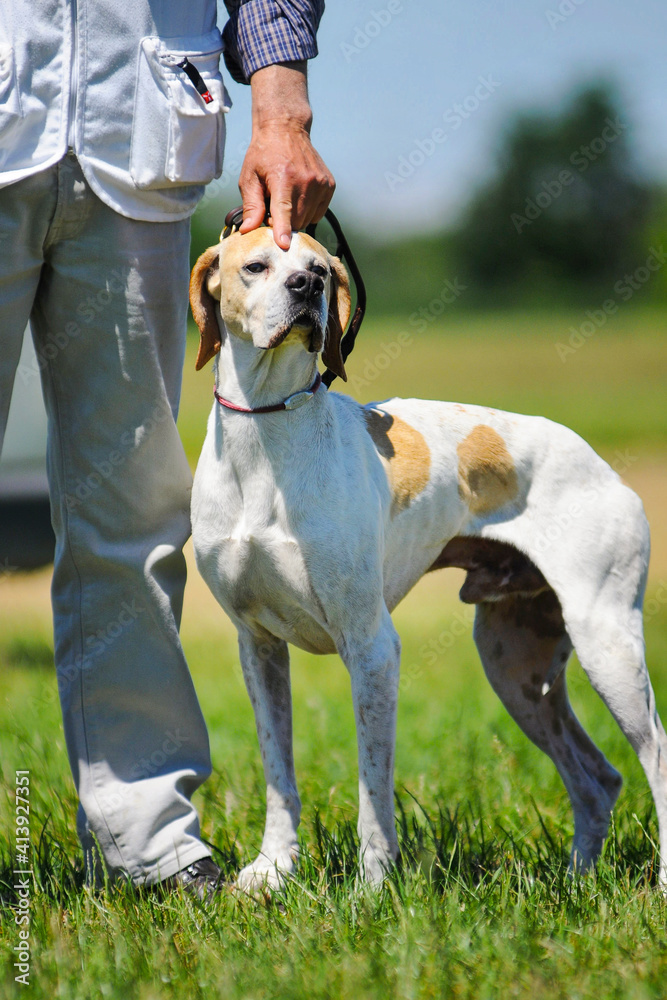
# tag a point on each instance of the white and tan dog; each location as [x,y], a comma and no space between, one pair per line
[310,524]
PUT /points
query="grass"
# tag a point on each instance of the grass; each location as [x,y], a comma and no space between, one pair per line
[480,905]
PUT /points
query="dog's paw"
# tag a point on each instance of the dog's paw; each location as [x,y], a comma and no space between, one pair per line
[374,868]
[262,877]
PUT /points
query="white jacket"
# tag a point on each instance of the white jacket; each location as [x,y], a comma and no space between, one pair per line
[100,77]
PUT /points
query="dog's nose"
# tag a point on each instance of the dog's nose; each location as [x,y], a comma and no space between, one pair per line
[304,285]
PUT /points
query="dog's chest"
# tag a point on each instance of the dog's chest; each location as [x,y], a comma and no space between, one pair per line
[250,554]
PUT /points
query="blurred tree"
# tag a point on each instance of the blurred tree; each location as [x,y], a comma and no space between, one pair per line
[566,201]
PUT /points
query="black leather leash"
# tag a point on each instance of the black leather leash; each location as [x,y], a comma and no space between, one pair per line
[234,219]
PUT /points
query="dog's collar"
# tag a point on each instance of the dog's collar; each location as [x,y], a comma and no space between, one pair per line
[292,402]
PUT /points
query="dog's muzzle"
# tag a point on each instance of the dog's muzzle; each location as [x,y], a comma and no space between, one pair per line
[305,292]
[304,286]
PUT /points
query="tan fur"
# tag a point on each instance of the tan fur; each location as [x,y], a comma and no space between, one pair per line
[406,453]
[203,281]
[236,251]
[487,477]
[340,304]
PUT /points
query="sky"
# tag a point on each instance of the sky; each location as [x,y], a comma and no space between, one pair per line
[410,99]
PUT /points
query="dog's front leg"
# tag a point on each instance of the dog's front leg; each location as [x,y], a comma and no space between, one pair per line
[265,662]
[374,669]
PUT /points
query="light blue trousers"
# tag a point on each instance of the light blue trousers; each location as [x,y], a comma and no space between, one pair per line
[106,297]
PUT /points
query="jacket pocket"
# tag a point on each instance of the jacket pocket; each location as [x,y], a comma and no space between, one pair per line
[177,137]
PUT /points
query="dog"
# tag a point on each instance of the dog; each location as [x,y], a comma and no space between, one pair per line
[312,516]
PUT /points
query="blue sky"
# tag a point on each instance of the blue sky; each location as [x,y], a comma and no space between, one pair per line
[390,73]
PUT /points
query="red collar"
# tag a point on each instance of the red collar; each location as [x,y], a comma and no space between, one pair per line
[292,402]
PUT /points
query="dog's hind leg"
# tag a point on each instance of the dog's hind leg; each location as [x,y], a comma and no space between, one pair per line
[265,662]
[524,648]
[602,608]
[610,647]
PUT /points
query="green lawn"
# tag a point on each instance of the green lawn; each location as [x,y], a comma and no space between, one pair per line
[481,906]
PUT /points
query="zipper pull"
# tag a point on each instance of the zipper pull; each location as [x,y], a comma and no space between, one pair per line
[195,76]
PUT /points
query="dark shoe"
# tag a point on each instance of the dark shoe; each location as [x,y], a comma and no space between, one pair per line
[203,879]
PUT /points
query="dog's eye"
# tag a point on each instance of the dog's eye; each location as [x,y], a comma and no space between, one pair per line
[318,269]
[255,268]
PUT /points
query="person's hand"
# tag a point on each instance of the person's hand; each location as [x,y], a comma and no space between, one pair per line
[281,167]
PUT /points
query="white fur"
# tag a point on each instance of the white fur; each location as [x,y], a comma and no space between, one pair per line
[295,534]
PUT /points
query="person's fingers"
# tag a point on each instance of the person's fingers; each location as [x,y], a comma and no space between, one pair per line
[321,204]
[281,216]
[316,198]
[288,174]
[311,202]
[254,204]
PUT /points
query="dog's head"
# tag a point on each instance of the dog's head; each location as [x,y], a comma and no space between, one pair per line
[268,295]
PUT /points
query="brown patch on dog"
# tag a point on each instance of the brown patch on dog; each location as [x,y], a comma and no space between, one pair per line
[205,275]
[235,251]
[487,477]
[340,305]
[407,455]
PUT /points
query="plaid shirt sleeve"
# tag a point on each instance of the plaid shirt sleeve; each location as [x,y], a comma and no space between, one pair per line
[263,32]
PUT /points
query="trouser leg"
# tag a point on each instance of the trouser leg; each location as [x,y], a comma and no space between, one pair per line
[25,212]
[113,293]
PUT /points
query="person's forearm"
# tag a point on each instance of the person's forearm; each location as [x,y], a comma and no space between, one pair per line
[280,96]
[281,168]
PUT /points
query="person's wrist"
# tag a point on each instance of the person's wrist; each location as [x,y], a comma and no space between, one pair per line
[281,125]
[280,98]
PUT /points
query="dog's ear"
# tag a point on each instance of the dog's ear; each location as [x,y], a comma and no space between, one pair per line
[339,313]
[204,290]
